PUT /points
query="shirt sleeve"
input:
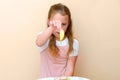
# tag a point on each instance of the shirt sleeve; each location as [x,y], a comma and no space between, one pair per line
[75,48]
[44,46]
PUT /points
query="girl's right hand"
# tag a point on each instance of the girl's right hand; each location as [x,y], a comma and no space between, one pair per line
[55,24]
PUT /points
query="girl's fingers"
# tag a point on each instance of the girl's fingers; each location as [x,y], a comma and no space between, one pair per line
[56,24]
[50,23]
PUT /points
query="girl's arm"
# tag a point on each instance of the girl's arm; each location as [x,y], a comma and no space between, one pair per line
[70,66]
[44,36]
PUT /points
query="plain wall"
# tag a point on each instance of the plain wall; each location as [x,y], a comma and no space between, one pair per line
[96,25]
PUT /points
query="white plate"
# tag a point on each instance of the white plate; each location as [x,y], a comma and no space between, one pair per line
[69,78]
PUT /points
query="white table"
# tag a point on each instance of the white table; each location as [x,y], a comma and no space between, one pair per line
[67,78]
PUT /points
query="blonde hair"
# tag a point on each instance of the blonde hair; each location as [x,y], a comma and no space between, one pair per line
[63,10]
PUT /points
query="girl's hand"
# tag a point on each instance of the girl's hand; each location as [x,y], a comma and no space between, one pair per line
[55,24]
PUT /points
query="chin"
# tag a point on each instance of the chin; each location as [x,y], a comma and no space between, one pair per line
[58,38]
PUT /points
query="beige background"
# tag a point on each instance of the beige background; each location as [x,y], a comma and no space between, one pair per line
[96,25]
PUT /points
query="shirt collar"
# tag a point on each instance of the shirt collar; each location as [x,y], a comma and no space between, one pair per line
[62,43]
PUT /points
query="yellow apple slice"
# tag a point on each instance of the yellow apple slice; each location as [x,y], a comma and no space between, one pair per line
[61,35]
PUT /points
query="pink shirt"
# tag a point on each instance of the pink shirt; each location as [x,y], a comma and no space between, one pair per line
[56,67]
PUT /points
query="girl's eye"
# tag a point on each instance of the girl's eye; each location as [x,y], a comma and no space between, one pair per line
[63,24]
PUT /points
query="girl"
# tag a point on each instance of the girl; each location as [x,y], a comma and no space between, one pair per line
[58,58]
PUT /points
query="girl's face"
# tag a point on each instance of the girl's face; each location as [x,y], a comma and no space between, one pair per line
[64,22]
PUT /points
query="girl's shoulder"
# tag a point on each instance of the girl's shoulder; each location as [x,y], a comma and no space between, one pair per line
[75,48]
[75,41]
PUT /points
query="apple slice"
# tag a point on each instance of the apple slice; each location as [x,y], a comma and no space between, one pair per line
[62,33]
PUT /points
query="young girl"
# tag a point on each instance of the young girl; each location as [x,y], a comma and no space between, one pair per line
[58,57]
